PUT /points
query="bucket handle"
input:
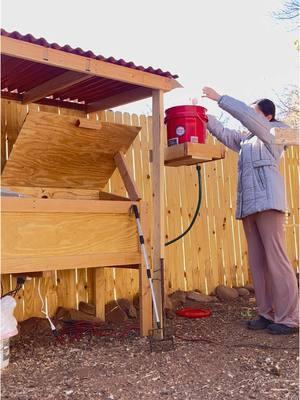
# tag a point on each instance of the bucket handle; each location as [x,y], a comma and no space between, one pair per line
[179,115]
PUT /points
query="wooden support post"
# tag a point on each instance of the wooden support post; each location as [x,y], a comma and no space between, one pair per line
[158,131]
[100,291]
[144,287]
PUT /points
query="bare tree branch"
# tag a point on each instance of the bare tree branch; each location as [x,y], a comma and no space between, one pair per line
[288,106]
[290,11]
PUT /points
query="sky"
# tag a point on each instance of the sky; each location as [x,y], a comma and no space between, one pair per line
[235,46]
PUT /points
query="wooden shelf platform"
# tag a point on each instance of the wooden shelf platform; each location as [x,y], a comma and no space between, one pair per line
[193,153]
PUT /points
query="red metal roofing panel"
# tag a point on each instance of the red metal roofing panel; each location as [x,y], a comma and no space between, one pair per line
[19,76]
[43,42]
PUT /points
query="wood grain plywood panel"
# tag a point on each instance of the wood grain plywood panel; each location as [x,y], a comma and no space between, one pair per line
[55,234]
[52,151]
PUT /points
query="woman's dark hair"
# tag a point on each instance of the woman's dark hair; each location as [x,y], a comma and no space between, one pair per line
[267,107]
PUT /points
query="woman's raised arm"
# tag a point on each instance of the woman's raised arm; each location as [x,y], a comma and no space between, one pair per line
[255,122]
[229,137]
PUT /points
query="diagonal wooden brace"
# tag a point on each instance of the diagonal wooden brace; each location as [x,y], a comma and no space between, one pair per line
[129,183]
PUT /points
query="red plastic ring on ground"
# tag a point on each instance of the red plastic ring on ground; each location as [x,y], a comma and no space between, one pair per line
[190,312]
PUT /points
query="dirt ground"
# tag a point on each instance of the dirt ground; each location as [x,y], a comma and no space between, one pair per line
[222,361]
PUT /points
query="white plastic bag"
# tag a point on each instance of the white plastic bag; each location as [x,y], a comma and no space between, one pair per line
[8,325]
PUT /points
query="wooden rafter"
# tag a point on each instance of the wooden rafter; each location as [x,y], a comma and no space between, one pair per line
[53,85]
[48,102]
[57,58]
[120,99]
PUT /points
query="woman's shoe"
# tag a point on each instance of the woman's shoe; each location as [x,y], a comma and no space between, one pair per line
[281,329]
[259,324]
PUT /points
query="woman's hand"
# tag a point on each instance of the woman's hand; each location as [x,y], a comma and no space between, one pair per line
[210,93]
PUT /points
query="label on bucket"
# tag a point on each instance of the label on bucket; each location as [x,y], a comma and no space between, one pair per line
[173,141]
[194,139]
[180,130]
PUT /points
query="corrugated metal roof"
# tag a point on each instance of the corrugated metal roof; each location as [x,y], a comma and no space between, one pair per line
[88,93]
[19,75]
[68,49]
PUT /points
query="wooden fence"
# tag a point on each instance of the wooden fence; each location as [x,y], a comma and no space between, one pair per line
[213,252]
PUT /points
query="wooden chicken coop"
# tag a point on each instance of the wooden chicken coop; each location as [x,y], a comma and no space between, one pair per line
[58,162]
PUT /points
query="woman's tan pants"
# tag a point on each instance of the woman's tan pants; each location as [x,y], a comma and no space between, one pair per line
[274,279]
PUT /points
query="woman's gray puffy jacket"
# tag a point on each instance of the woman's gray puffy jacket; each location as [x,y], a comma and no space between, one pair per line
[260,184]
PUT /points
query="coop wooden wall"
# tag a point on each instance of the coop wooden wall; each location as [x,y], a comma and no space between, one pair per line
[213,252]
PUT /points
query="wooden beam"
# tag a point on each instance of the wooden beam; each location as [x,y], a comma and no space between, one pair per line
[64,193]
[47,102]
[58,58]
[30,205]
[100,292]
[46,263]
[57,193]
[126,177]
[119,99]
[54,85]
[37,274]
[287,136]
[158,133]
[89,124]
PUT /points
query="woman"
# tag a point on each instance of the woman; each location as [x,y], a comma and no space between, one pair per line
[261,207]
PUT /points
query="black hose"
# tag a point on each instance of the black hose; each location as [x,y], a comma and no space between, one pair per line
[196,211]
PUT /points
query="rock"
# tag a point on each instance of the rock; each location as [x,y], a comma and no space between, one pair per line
[249,287]
[196,304]
[170,314]
[132,312]
[200,297]
[124,304]
[114,313]
[117,315]
[169,303]
[75,315]
[36,325]
[252,396]
[87,308]
[178,298]
[275,370]
[136,301]
[226,293]
[127,307]
[243,292]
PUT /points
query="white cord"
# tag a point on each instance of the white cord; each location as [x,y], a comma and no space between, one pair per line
[45,312]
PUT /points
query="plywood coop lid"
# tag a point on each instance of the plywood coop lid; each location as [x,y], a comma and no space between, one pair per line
[52,151]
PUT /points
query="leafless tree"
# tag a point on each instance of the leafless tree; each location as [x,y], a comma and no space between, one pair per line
[289,11]
[288,106]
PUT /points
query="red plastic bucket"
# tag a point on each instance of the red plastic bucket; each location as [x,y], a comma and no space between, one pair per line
[186,124]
